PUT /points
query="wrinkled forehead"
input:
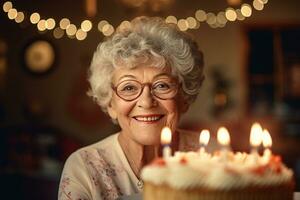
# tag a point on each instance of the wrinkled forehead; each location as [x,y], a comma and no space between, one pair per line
[141,73]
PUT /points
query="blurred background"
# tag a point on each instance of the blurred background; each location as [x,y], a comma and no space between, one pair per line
[252,60]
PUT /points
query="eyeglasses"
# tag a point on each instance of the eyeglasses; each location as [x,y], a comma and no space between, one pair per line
[130,90]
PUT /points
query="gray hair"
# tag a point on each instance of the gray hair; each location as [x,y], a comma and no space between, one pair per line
[151,41]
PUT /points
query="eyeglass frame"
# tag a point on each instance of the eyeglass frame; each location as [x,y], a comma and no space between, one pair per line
[143,86]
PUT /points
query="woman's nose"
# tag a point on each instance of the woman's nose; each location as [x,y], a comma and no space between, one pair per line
[146,100]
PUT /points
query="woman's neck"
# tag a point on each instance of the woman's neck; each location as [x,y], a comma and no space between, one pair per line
[139,155]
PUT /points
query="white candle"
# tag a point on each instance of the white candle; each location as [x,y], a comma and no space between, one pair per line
[267,143]
[255,140]
[203,141]
[224,139]
[165,138]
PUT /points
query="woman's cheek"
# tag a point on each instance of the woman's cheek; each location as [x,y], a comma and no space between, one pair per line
[173,116]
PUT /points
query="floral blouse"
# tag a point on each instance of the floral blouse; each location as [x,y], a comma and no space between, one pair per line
[101,171]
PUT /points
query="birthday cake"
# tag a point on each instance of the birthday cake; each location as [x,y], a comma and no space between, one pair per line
[218,176]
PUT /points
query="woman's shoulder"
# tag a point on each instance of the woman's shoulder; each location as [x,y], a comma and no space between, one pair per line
[93,167]
[95,150]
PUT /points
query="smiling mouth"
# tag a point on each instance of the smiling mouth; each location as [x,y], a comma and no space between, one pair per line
[149,118]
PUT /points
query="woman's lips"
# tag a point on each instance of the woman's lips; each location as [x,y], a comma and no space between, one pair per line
[148,118]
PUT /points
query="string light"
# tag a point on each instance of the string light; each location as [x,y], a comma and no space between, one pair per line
[58,33]
[7,6]
[246,10]
[80,34]
[171,20]
[20,17]
[192,23]
[12,13]
[125,25]
[71,30]
[64,25]
[239,15]
[230,14]
[35,18]
[183,25]
[101,24]
[86,25]
[258,5]
[50,23]
[41,25]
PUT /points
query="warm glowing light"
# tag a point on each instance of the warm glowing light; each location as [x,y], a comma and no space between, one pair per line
[230,14]
[58,33]
[221,18]
[108,29]
[101,24]
[246,10]
[80,34]
[192,23]
[50,23]
[256,134]
[71,30]
[264,1]
[166,136]
[239,14]
[35,18]
[64,23]
[41,25]
[20,17]
[197,25]
[86,25]
[258,5]
[211,18]
[204,137]
[125,25]
[200,15]
[183,25]
[223,136]
[7,6]
[171,20]
[266,139]
[12,13]
[234,2]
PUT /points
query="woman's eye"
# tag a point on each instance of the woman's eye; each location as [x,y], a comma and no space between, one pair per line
[129,88]
[162,86]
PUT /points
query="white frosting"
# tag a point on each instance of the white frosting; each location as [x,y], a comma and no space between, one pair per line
[213,172]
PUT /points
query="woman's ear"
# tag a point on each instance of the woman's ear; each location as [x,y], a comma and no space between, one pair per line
[183,104]
[184,107]
[112,112]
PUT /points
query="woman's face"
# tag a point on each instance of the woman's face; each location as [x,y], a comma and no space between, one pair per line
[142,119]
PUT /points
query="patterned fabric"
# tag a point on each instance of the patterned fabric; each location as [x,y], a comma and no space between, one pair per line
[102,172]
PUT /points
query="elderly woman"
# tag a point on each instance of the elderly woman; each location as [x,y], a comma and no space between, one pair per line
[145,77]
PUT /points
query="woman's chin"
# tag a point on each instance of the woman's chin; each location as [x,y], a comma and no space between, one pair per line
[148,140]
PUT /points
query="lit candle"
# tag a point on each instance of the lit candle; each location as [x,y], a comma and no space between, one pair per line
[224,139]
[255,139]
[203,141]
[267,143]
[165,138]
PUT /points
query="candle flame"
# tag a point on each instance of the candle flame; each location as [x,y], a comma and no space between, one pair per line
[223,136]
[266,139]
[204,137]
[256,134]
[166,135]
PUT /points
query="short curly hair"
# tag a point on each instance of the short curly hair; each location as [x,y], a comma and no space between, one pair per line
[151,41]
